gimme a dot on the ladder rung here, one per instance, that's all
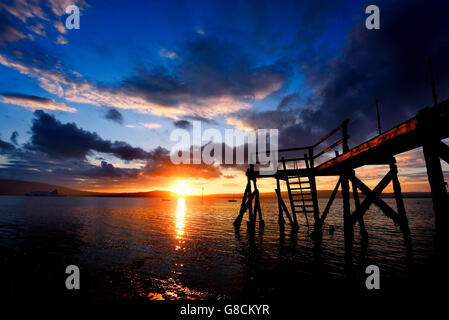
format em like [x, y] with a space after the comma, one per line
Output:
[299, 188]
[302, 194]
[296, 200]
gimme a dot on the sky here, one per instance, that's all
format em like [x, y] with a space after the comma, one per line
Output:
[93, 108]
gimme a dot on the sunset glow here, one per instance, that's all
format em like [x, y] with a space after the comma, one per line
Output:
[182, 189]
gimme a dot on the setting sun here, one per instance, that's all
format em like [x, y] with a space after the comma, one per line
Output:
[182, 189]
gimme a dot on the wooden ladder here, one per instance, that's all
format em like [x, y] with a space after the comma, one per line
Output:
[300, 194]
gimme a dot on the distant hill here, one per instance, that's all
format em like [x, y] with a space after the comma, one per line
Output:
[10, 187]
[19, 188]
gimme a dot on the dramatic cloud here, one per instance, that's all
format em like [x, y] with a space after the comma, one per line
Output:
[182, 124]
[68, 141]
[213, 78]
[104, 170]
[59, 152]
[389, 64]
[114, 115]
[34, 102]
[6, 147]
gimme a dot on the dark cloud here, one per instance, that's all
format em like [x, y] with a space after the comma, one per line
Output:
[210, 68]
[56, 153]
[14, 137]
[105, 170]
[26, 97]
[182, 124]
[288, 101]
[389, 64]
[114, 115]
[6, 147]
[9, 32]
[34, 102]
[202, 119]
[68, 141]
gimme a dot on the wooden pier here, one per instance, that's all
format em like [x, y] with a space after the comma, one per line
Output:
[426, 130]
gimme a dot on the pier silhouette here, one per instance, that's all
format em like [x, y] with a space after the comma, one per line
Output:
[426, 130]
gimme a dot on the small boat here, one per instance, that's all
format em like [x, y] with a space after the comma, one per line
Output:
[232, 200]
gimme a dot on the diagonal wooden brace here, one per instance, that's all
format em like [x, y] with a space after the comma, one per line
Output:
[372, 196]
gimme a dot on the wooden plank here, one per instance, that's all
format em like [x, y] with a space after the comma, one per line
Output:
[329, 203]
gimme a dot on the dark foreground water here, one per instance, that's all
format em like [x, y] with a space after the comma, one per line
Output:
[142, 249]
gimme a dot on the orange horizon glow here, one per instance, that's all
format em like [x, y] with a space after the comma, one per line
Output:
[234, 181]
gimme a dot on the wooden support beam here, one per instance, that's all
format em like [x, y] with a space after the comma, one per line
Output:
[344, 181]
[250, 202]
[243, 207]
[310, 165]
[348, 225]
[329, 203]
[292, 205]
[435, 176]
[444, 151]
[403, 222]
[258, 209]
[284, 208]
[355, 195]
[372, 196]
[281, 219]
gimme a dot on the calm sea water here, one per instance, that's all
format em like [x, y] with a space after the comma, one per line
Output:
[188, 249]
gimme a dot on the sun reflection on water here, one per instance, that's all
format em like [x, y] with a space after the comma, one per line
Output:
[180, 224]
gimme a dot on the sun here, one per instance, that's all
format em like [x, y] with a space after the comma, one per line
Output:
[182, 189]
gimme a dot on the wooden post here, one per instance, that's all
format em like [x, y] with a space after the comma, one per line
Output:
[348, 227]
[403, 222]
[243, 207]
[295, 224]
[437, 186]
[257, 207]
[312, 181]
[431, 149]
[329, 203]
[355, 195]
[250, 198]
[344, 178]
[281, 219]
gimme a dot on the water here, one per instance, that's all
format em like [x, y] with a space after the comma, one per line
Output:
[140, 248]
